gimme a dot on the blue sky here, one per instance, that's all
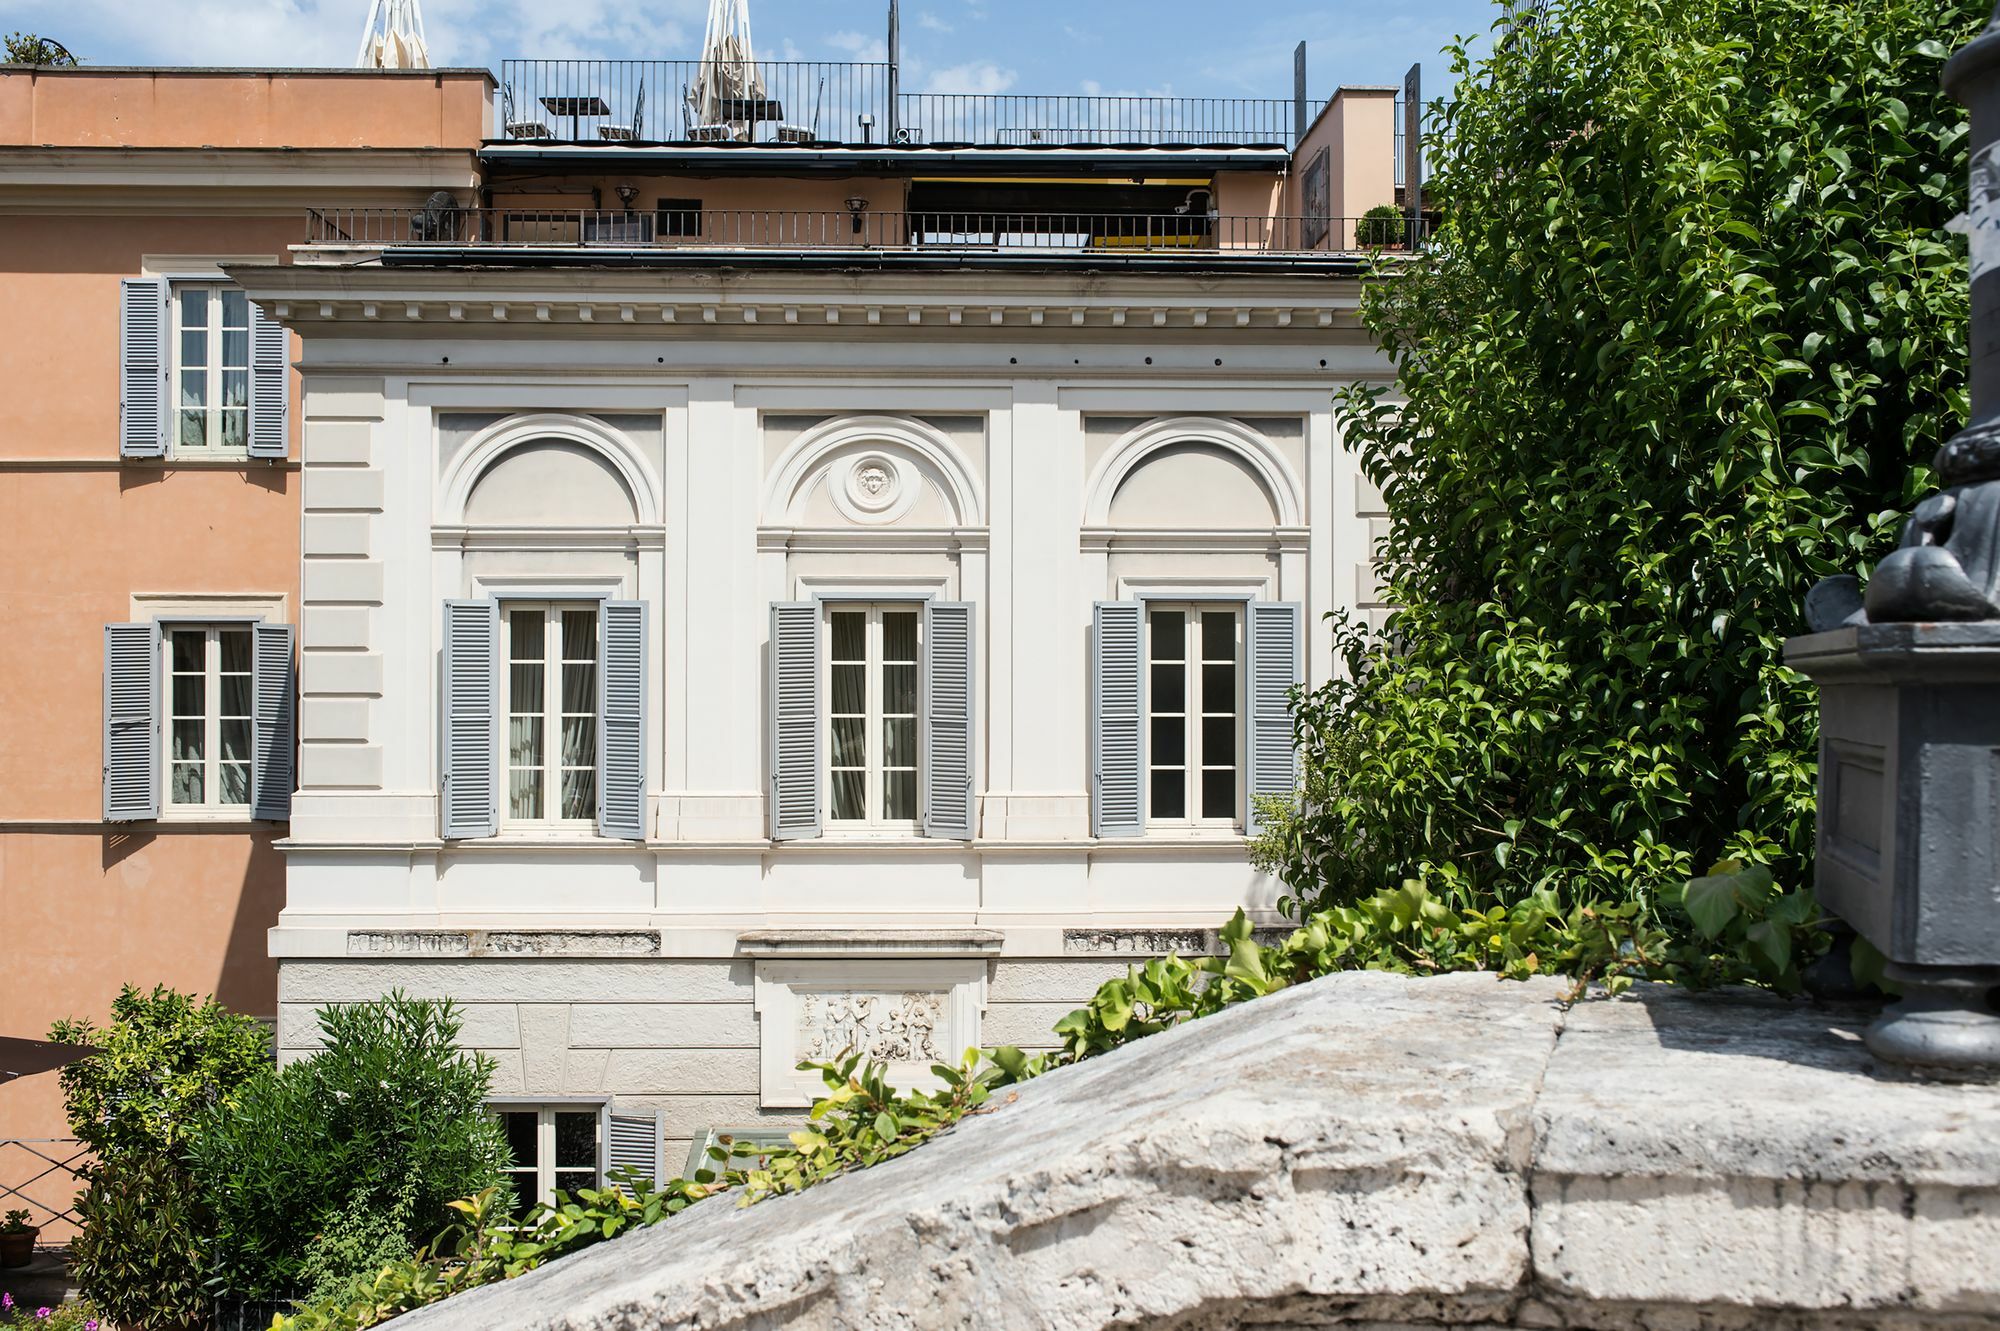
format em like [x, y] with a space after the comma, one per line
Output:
[1182, 47]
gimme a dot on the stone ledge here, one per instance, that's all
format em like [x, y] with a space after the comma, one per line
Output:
[1371, 1149]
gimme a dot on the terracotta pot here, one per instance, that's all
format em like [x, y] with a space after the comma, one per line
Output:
[17, 1246]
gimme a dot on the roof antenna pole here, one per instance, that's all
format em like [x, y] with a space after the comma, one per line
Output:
[895, 69]
[1299, 95]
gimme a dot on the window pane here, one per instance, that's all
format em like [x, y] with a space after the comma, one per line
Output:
[899, 741]
[1218, 636]
[235, 651]
[523, 1181]
[524, 635]
[576, 1140]
[572, 1181]
[236, 740]
[194, 388]
[190, 691]
[235, 695]
[235, 308]
[579, 687]
[899, 689]
[1169, 794]
[1169, 688]
[1218, 793]
[850, 689]
[579, 635]
[194, 306]
[524, 741]
[519, 1125]
[235, 427]
[1169, 635]
[193, 429]
[187, 783]
[847, 794]
[187, 649]
[850, 747]
[1218, 688]
[194, 352]
[236, 388]
[1169, 746]
[899, 635]
[579, 741]
[1218, 740]
[579, 793]
[187, 739]
[524, 688]
[524, 793]
[850, 635]
[236, 349]
[233, 780]
[899, 795]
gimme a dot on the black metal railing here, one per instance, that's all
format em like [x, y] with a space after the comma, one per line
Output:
[810, 101]
[669, 227]
[45, 1170]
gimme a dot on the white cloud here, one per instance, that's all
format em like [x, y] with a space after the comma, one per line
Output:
[932, 23]
[978, 76]
[860, 45]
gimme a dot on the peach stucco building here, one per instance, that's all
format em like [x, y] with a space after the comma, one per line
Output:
[157, 487]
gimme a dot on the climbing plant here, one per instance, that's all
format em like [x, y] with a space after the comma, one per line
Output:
[1690, 331]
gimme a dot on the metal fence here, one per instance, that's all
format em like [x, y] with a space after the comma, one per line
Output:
[810, 101]
[669, 227]
[48, 1180]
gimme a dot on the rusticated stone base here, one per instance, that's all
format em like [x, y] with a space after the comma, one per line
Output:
[1374, 1151]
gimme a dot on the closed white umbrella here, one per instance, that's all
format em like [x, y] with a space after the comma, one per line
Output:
[394, 37]
[728, 76]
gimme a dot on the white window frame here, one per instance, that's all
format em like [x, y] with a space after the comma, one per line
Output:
[872, 820]
[212, 409]
[1193, 759]
[545, 1110]
[551, 713]
[209, 808]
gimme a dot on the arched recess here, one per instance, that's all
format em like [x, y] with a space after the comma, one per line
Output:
[1266, 463]
[880, 460]
[490, 446]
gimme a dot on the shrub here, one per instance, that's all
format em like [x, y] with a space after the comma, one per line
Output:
[331, 1166]
[1382, 225]
[167, 1059]
[1691, 330]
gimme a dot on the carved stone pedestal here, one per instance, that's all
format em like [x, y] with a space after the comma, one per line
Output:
[1909, 825]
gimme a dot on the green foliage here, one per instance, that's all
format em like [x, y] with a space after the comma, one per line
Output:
[16, 1222]
[861, 1121]
[167, 1060]
[325, 1169]
[26, 48]
[1691, 329]
[1380, 226]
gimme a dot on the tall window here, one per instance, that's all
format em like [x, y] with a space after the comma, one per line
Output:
[872, 710]
[551, 713]
[208, 711]
[211, 368]
[1194, 702]
[553, 1146]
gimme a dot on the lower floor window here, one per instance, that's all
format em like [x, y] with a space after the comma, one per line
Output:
[553, 1148]
[208, 711]
[1193, 705]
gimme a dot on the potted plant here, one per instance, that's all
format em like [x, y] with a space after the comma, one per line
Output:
[17, 1239]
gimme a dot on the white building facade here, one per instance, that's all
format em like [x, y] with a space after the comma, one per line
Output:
[709, 667]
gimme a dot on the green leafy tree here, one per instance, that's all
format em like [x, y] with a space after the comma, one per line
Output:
[165, 1060]
[1690, 332]
[334, 1165]
[26, 48]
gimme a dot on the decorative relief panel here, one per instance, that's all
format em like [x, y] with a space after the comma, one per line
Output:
[908, 1014]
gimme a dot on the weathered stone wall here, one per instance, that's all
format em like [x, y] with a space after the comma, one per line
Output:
[1372, 1150]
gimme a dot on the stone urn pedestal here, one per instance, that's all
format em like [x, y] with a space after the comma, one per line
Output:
[1909, 825]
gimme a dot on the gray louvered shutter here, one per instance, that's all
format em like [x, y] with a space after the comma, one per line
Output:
[621, 722]
[795, 719]
[131, 722]
[948, 738]
[274, 689]
[1274, 638]
[1117, 740]
[471, 686]
[270, 385]
[636, 1142]
[142, 368]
